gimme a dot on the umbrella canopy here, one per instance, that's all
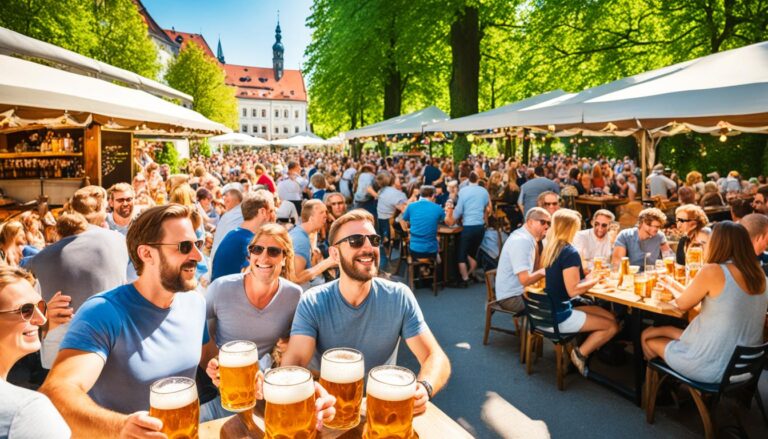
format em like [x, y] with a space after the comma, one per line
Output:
[32, 93]
[238, 139]
[404, 124]
[301, 140]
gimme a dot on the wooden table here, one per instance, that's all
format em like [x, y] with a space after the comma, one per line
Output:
[446, 234]
[600, 201]
[432, 424]
[718, 213]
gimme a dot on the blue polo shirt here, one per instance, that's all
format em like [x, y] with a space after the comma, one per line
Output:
[424, 216]
[232, 254]
[473, 200]
[301, 245]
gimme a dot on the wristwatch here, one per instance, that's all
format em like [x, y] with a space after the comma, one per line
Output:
[427, 387]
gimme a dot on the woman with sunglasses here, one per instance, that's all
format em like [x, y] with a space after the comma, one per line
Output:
[23, 413]
[692, 222]
[257, 305]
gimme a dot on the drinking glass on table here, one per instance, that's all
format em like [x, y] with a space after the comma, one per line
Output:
[174, 401]
[640, 282]
[238, 365]
[389, 411]
[289, 393]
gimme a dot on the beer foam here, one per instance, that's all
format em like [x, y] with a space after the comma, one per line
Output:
[238, 354]
[288, 385]
[344, 367]
[174, 395]
[391, 385]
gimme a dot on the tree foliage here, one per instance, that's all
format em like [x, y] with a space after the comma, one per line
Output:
[169, 156]
[194, 73]
[112, 31]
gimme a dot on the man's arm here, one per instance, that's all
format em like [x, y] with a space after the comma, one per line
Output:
[527, 278]
[304, 274]
[435, 366]
[299, 352]
[73, 374]
[618, 253]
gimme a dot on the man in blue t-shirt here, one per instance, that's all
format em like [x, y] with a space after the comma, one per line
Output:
[365, 313]
[422, 218]
[122, 340]
[473, 206]
[644, 239]
[232, 254]
[313, 216]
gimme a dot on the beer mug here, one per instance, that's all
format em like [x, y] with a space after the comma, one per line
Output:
[640, 282]
[341, 373]
[680, 273]
[238, 365]
[289, 393]
[174, 401]
[597, 264]
[669, 263]
[389, 410]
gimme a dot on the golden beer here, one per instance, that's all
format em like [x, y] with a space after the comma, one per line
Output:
[341, 374]
[238, 365]
[624, 268]
[680, 273]
[597, 264]
[641, 282]
[669, 264]
[390, 403]
[290, 410]
[650, 284]
[174, 401]
[694, 255]
[693, 270]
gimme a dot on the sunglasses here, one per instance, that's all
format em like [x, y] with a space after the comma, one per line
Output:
[602, 225]
[683, 220]
[555, 203]
[338, 203]
[123, 200]
[184, 247]
[272, 252]
[28, 310]
[357, 240]
[545, 222]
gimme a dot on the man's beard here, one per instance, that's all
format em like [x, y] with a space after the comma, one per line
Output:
[360, 275]
[124, 212]
[171, 279]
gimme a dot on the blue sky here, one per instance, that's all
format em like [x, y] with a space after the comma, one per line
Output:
[246, 27]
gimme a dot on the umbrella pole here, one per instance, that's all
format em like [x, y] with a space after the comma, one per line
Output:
[643, 160]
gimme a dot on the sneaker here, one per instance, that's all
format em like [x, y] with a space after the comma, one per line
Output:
[463, 283]
[579, 361]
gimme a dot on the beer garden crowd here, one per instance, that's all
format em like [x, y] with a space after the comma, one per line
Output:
[291, 251]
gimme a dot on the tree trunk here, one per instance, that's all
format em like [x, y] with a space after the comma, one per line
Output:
[508, 147]
[526, 146]
[393, 93]
[465, 66]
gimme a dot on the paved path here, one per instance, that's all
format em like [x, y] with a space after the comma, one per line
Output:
[483, 374]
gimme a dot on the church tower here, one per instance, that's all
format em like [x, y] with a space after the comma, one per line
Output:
[220, 53]
[277, 53]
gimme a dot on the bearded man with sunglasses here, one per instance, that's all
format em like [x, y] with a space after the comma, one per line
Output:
[595, 242]
[363, 312]
[122, 340]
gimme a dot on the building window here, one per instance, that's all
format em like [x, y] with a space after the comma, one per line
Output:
[297, 114]
[285, 114]
[296, 130]
[263, 129]
[285, 130]
[263, 113]
[277, 130]
[245, 112]
[253, 112]
[277, 113]
[255, 129]
[244, 129]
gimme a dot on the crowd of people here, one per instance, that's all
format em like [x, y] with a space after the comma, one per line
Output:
[289, 250]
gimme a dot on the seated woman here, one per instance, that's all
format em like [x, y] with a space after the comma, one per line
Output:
[692, 222]
[565, 280]
[731, 288]
[257, 305]
[23, 413]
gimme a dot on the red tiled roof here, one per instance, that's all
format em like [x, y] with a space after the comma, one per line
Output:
[187, 37]
[259, 83]
[152, 27]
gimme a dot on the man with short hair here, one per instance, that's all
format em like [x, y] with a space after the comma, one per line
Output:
[760, 200]
[659, 184]
[757, 226]
[313, 216]
[474, 203]
[531, 189]
[80, 265]
[232, 217]
[548, 200]
[336, 205]
[391, 202]
[124, 339]
[120, 198]
[644, 239]
[291, 187]
[520, 259]
[364, 312]
[595, 242]
[739, 209]
[422, 218]
[257, 209]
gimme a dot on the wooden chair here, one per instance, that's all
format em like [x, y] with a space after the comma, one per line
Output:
[403, 239]
[542, 323]
[492, 306]
[414, 267]
[743, 372]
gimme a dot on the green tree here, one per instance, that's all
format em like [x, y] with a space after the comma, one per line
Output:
[111, 31]
[168, 156]
[194, 73]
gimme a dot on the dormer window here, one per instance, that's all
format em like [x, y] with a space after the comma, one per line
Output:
[179, 39]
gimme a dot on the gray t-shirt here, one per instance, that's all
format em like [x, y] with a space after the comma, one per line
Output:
[636, 249]
[374, 327]
[123, 230]
[364, 181]
[389, 197]
[25, 414]
[530, 191]
[237, 319]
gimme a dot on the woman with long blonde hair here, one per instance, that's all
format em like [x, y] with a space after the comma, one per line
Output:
[731, 288]
[256, 305]
[12, 241]
[565, 280]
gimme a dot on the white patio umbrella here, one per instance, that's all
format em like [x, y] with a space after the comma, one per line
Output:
[301, 140]
[237, 139]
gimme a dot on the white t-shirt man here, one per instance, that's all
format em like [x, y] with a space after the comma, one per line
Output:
[590, 246]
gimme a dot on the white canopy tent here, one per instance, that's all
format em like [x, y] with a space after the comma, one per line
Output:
[237, 139]
[404, 124]
[301, 140]
[34, 94]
